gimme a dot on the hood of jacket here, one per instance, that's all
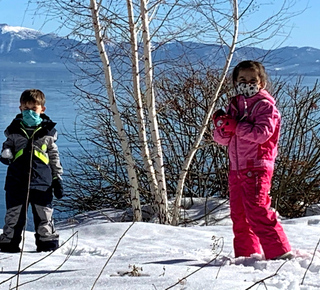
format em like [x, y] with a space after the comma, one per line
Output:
[47, 124]
[242, 106]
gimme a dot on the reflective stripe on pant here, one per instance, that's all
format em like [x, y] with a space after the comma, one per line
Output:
[16, 216]
[254, 224]
[43, 223]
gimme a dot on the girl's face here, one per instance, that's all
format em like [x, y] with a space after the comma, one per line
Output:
[249, 76]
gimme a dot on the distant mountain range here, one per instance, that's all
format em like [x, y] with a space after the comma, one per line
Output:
[28, 46]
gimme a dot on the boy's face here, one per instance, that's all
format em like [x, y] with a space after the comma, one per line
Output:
[32, 106]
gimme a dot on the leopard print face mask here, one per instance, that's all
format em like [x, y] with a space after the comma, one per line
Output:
[248, 90]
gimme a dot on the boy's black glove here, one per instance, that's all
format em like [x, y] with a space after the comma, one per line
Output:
[57, 186]
[5, 161]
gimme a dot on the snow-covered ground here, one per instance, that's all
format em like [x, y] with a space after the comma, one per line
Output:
[99, 254]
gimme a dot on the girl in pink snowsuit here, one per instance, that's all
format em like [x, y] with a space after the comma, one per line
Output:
[250, 129]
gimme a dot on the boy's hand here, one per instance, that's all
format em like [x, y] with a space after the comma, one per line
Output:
[6, 156]
[6, 153]
[57, 186]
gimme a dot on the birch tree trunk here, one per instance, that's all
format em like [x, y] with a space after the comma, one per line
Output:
[192, 152]
[137, 95]
[135, 199]
[161, 196]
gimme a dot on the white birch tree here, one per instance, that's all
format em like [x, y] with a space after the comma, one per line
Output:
[155, 170]
[161, 194]
[151, 172]
[135, 198]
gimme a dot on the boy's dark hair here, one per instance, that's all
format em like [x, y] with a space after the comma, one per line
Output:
[33, 96]
[253, 65]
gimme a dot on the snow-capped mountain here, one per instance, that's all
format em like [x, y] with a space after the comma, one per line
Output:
[21, 32]
[282, 61]
[24, 45]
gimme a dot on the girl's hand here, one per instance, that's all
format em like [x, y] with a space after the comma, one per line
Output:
[218, 118]
[229, 125]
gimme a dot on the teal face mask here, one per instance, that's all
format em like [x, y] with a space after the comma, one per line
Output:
[31, 118]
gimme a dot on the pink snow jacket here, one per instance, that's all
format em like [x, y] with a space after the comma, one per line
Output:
[255, 141]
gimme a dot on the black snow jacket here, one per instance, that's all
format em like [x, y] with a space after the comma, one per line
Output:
[37, 150]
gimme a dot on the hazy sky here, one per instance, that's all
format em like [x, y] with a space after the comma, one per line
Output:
[305, 27]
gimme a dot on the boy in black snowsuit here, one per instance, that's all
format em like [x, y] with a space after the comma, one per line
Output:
[34, 170]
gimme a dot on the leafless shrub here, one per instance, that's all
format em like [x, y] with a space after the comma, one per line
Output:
[296, 182]
[184, 99]
[97, 179]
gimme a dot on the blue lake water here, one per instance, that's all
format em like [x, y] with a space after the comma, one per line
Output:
[56, 83]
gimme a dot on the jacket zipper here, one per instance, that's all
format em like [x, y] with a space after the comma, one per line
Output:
[34, 132]
[20, 152]
[257, 183]
[237, 161]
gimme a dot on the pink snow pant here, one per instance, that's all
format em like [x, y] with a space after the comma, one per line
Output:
[254, 224]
